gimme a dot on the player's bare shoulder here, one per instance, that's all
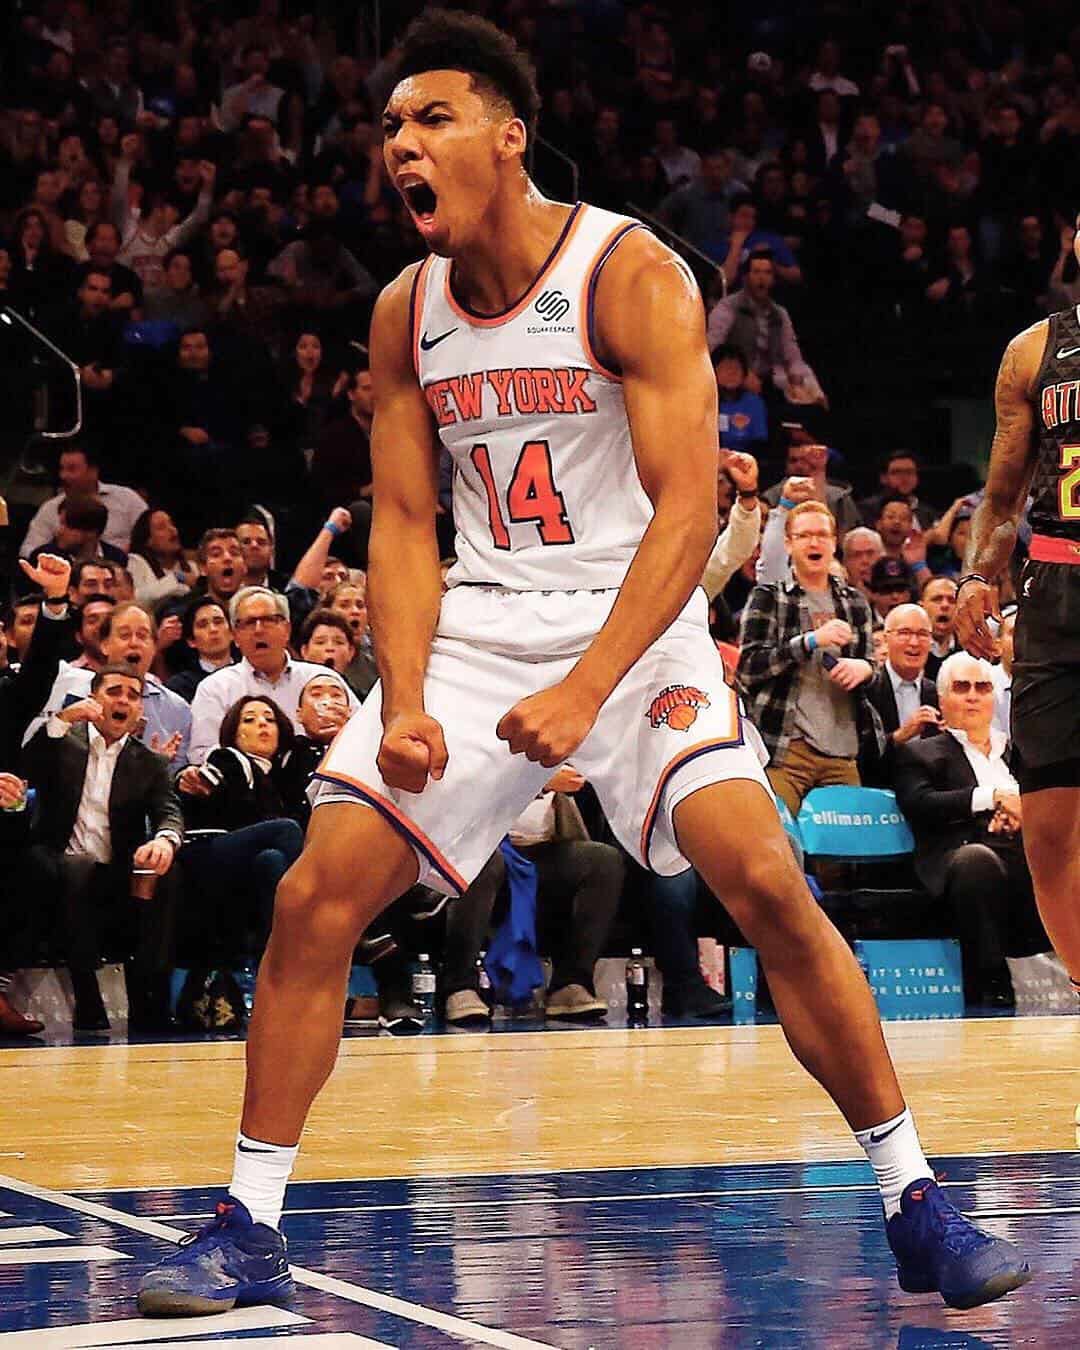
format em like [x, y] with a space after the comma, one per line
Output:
[646, 293]
[1022, 361]
[391, 329]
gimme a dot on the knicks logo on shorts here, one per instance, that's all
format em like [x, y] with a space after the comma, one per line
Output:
[677, 707]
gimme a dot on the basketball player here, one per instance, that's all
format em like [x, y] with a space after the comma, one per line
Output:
[559, 354]
[1036, 450]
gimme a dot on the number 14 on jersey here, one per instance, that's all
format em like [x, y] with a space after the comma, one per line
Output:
[531, 498]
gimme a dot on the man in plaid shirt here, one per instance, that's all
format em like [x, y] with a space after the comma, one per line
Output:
[799, 688]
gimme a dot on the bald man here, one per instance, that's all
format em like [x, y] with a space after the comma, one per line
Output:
[904, 699]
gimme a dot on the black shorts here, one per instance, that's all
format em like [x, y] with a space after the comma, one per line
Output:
[1046, 677]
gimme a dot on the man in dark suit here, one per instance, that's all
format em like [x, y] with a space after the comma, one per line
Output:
[964, 808]
[98, 787]
[905, 700]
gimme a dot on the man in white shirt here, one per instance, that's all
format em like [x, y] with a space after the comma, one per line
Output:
[98, 788]
[80, 476]
[128, 637]
[963, 803]
[260, 620]
[1003, 673]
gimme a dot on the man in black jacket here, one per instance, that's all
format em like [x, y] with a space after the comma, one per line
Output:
[964, 807]
[905, 700]
[98, 786]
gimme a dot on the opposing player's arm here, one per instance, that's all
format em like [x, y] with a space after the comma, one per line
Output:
[404, 582]
[651, 326]
[1012, 463]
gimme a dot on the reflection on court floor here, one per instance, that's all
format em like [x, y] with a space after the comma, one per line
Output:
[639, 1258]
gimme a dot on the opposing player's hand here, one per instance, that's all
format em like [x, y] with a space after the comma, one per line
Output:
[413, 749]
[549, 726]
[976, 604]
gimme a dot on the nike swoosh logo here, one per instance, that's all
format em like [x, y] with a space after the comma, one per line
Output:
[879, 1138]
[427, 343]
[245, 1149]
[1062, 354]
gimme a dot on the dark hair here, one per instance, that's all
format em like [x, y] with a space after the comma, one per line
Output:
[324, 618]
[96, 599]
[442, 39]
[92, 457]
[894, 455]
[254, 517]
[230, 723]
[90, 270]
[100, 676]
[122, 607]
[760, 255]
[140, 539]
[101, 225]
[889, 498]
[727, 351]
[81, 566]
[187, 619]
[85, 513]
[179, 253]
[209, 537]
[741, 199]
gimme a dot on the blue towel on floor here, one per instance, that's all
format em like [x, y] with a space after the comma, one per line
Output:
[512, 962]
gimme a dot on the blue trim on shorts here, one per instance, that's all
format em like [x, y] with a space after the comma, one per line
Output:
[399, 825]
[673, 769]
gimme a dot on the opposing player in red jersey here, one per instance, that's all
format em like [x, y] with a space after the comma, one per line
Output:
[1036, 453]
[559, 355]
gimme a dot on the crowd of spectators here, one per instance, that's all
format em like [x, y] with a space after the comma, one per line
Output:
[193, 206]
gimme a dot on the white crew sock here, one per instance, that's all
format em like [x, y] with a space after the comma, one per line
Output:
[261, 1172]
[896, 1156]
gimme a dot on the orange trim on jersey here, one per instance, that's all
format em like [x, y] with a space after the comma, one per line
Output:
[416, 309]
[585, 304]
[496, 320]
[398, 820]
[683, 757]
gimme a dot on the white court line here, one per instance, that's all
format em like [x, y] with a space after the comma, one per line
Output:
[34, 1233]
[354, 1293]
[39, 1256]
[129, 1330]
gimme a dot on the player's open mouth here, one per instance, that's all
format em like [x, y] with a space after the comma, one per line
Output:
[421, 200]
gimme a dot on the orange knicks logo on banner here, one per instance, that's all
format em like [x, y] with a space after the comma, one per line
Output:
[677, 707]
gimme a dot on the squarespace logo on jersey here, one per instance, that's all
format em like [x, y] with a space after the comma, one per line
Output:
[551, 306]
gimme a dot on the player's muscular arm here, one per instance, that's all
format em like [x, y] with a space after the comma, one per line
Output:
[404, 581]
[1012, 462]
[651, 326]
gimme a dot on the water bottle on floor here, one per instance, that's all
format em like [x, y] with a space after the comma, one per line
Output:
[637, 989]
[423, 986]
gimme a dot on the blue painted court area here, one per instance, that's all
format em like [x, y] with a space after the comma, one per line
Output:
[641, 1259]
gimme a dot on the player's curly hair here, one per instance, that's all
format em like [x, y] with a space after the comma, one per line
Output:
[443, 39]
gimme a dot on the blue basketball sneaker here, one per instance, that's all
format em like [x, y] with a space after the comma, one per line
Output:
[938, 1250]
[232, 1260]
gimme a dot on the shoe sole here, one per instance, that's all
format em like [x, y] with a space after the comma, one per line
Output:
[172, 1303]
[995, 1287]
[583, 1014]
[470, 1020]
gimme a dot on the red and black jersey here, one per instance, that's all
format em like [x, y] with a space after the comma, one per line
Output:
[1055, 487]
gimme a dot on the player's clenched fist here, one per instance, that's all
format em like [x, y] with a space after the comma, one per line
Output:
[412, 750]
[549, 726]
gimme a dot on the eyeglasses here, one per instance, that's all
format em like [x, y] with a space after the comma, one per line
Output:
[813, 534]
[964, 686]
[911, 634]
[256, 619]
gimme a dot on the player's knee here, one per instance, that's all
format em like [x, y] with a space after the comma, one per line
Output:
[768, 897]
[312, 916]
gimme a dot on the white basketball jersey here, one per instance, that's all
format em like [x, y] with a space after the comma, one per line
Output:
[546, 491]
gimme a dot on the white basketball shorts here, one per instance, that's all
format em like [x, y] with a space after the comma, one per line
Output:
[672, 725]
